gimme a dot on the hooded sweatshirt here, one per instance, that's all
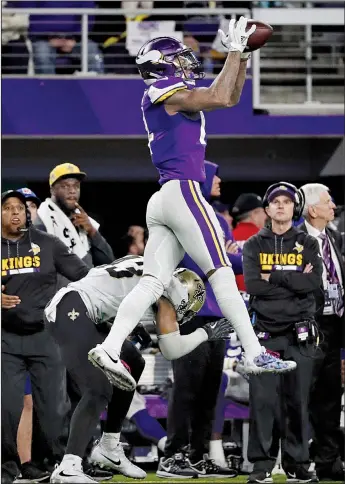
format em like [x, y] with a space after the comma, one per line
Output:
[55, 25]
[29, 269]
[211, 308]
[288, 296]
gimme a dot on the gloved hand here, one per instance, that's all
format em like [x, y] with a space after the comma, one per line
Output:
[237, 37]
[217, 330]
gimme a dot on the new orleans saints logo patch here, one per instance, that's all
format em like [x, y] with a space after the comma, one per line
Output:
[73, 315]
[182, 307]
[199, 294]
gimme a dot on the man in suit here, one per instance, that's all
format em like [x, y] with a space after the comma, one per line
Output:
[325, 401]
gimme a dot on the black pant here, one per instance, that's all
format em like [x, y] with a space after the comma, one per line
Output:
[282, 399]
[325, 398]
[76, 337]
[197, 377]
[38, 355]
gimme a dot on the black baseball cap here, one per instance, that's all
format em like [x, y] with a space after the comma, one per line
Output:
[12, 193]
[246, 202]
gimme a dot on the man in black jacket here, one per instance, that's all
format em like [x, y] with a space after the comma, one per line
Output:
[282, 269]
[325, 398]
[30, 262]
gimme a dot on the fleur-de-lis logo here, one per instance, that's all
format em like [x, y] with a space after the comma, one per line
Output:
[199, 294]
[73, 315]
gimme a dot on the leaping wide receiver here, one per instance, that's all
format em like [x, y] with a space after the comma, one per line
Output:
[179, 219]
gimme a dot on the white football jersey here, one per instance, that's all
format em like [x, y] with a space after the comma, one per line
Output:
[103, 289]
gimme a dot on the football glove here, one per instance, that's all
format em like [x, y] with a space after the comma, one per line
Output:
[217, 330]
[237, 37]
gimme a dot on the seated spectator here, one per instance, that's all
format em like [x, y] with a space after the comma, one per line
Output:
[15, 55]
[53, 35]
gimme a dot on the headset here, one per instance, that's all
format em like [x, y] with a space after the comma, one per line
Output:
[298, 202]
[21, 197]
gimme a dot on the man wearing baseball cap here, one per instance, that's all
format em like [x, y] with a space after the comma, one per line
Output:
[62, 216]
[282, 270]
[30, 263]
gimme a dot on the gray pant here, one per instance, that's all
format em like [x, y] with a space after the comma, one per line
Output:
[282, 399]
[38, 355]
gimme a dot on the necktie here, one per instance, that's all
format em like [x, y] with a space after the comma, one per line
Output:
[332, 276]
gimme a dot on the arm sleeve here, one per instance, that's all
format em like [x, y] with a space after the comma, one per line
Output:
[174, 345]
[101, 251]
[252, 275]
[298, 282]
[162, 90]
[67, 264]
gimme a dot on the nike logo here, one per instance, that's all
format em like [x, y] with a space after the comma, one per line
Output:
[200, 472]
[114, 361]
[292, 475]
[213, 325]
[63, 474]
[115, 462]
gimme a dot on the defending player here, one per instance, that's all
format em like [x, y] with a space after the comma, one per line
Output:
[78, 314]
[179, 219]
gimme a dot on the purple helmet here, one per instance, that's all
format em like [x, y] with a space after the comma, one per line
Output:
[167, 57]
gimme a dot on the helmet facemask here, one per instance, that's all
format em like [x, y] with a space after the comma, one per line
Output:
[187, 64]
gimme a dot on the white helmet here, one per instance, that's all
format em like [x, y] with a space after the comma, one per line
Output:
[187, 293]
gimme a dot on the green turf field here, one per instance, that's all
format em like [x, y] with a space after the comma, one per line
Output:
[151, 478]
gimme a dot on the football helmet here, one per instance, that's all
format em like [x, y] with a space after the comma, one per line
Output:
[187, 293]
[168, 57]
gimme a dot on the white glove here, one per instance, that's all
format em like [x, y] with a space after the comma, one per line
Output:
[237, 38]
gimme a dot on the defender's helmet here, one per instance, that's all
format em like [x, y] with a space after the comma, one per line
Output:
[187, 294]
[167, 57]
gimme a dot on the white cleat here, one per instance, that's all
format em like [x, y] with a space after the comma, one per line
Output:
[113, 457]
[71, 472]
[266, 362]
[113, 369]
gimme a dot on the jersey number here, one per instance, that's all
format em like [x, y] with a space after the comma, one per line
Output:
[128, 266]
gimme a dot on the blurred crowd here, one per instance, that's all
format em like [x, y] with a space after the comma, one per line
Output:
[52, 43]
[62, 215]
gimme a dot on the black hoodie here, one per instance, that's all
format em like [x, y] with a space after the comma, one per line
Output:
[29, 269]
[288, 295]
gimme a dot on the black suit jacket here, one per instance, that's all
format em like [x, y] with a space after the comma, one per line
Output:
[335, 239]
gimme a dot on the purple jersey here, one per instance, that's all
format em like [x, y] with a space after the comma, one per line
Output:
[177, 143]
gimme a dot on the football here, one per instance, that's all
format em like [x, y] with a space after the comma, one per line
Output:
[261, 35]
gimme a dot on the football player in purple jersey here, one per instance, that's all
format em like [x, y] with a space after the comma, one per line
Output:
[179, 218]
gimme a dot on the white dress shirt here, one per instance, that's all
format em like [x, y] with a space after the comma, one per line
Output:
[315, 233]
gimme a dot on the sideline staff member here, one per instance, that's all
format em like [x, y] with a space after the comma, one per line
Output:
[282, 269]
[30, 262]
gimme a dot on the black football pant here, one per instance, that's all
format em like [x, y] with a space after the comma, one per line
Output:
[38, 355]
[325, 398]
[76, 337]
[283, 399]
[197, 378]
